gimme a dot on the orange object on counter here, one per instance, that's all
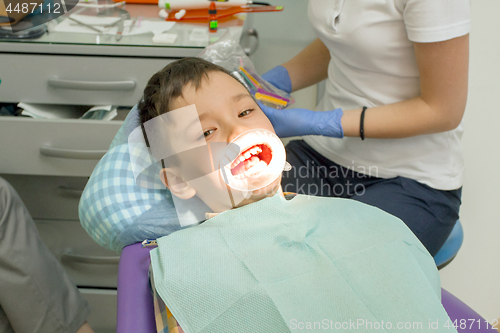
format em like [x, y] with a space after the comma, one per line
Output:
[142, 2]
[203, 15]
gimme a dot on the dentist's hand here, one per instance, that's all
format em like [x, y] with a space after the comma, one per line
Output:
[298, 122]
[278, 77]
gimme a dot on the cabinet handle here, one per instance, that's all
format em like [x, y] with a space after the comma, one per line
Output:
[67, 256]
[46, 150]
[70, 192]
[91, 85]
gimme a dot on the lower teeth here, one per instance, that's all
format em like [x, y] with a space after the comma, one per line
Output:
[253, 170]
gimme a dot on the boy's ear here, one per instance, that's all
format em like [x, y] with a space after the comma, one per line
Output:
[176, 184]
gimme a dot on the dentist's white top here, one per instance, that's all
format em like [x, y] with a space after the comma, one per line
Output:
[373, 63]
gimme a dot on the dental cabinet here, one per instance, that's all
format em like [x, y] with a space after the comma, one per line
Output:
[48, 161]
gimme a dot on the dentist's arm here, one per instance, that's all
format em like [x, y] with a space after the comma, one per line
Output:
[308, 67]
[443, 68]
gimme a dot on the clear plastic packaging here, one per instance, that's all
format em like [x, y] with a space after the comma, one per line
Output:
[227, 52]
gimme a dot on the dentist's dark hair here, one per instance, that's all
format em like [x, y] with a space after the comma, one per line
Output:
[168, 84]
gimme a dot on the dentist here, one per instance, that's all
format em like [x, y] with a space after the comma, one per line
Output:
[391, 123]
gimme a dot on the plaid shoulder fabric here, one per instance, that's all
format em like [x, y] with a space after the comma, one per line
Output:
[112, 200]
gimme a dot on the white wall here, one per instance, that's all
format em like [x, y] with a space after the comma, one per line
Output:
[474, 274]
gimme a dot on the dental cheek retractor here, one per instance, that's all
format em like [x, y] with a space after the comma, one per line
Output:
[253, 160]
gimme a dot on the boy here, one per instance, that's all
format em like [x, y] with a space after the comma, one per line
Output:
[224, 109]
[264, 263]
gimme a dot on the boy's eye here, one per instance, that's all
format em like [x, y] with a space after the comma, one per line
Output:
[207, 133]
[245, 113]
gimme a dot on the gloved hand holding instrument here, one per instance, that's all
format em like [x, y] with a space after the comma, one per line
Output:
[298, 122]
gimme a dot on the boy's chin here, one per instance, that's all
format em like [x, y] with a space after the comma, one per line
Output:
[236, 198]
[263, 193]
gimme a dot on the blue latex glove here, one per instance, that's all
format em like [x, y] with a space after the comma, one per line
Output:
[298, 122]
[278, 77]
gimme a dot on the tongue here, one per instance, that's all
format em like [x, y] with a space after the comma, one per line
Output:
[245, 165]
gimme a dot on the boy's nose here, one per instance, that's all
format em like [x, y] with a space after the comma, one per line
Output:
[237, 130]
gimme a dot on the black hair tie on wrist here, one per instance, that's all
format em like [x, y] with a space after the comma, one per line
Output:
[362, 123]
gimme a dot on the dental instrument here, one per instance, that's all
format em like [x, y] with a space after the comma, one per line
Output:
[132, 25]
[266, 92]
[254, 81]
[248, 81]
[99, 6]
[85, 24]
[241, 78]
[119, 33]
[265, 98]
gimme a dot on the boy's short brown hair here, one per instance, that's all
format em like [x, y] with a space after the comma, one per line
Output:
[168, 84]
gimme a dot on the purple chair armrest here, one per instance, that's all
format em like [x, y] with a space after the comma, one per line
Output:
[457, 310]
[135, 302]
[135, 312]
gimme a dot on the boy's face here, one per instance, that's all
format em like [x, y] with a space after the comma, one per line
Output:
[225, 110]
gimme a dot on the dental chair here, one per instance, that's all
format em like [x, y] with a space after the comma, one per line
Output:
[132, 214]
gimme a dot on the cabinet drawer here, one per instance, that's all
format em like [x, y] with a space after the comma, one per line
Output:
[102, 319]
[87, 263]
[49, 197]
[75, 79]
[53, 147]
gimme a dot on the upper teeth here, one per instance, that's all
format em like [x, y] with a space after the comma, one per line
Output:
[254, 151]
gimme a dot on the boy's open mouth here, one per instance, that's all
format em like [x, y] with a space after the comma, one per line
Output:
[251, 161]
